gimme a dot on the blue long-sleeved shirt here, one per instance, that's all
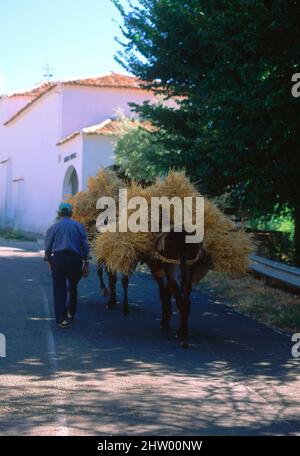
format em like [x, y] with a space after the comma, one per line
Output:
[66, 234]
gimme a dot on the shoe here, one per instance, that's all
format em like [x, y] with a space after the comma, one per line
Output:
[70, 316]
[64, 324]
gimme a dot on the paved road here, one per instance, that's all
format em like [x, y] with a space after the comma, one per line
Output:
[115, 375]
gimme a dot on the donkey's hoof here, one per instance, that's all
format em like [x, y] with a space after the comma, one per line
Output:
[105, 292]
[164, 324]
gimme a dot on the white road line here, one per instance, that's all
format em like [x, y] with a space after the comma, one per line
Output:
[60, 417]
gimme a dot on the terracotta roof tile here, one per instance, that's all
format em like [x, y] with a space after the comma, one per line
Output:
[33, 100]
[113, 80]
[34, 92]
[68, 138]
[109, 127]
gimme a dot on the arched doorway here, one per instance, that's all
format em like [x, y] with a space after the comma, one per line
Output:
[70, 184]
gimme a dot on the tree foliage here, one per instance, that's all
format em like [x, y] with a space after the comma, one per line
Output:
[231, 64]
[139, 157]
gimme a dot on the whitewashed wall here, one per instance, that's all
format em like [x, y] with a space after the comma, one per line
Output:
[8, 107]
[65, 160]
[32, 167]
[85, 106]
[34, 181]
[98, 152]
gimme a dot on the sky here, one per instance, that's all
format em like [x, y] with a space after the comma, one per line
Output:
[75, 37]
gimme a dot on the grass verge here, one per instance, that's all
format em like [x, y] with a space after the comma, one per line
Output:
[15, 234]
[251, 296]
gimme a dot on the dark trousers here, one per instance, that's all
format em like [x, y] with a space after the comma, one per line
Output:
[66, 273]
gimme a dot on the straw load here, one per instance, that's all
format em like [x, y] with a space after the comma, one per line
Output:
[227, 247]
[174, 184]
[83, 209]
[105, 183]
[121, 251]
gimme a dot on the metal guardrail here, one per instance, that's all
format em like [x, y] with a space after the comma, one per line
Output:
[287, 275]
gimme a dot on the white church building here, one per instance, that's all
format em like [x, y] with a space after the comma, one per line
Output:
[52, 138]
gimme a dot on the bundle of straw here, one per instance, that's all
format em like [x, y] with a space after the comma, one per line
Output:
[228, 248]
[122, 251]
[83, 207]
[105, 183]
[176, 183]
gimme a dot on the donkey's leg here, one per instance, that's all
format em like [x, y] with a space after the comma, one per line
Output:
[168, 302]
[100, 268]
[176, 292]
[112, 279]
[164, 294]
[125, 291]
[186, 307]
[182, 307]
[183, 328]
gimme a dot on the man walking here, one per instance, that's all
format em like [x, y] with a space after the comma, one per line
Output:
[67, 253]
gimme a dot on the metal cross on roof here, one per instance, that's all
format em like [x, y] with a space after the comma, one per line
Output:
[48, 72]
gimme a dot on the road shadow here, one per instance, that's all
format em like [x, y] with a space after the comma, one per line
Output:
[124, 375]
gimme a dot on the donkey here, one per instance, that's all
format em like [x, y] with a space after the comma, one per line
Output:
[174, 257]
[175, 266]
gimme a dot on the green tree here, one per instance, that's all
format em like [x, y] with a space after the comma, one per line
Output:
[231, 64]
[140, 157]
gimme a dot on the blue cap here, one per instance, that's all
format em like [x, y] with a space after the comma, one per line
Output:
[65, 207]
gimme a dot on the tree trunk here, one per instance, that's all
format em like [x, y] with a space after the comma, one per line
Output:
[297, 233]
